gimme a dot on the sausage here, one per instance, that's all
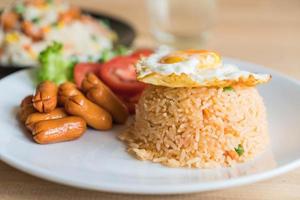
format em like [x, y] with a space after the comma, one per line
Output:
[26, 101]
[26, 108]
[106, 99]
[101, 95]
[37, 117]
[94, 115]
[90, 80]
[9, 20]
[65, 91]
[35, 33]
[58, 130]
[45, 98]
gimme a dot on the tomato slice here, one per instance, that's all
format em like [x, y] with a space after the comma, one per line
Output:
[81, 69]
[130, 102]
[119, 74]
[130, 106]
[142, 52]
[135, 98]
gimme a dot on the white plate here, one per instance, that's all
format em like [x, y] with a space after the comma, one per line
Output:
[98, 160]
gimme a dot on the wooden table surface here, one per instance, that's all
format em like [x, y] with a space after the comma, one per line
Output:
[262, 31]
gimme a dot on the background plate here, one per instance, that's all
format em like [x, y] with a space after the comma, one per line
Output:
[99, 161]
[125, 32]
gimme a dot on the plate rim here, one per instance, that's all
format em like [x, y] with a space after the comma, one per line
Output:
[162, 189]
[143, 190]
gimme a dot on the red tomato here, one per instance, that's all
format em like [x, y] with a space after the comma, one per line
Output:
[130, 102]
[81, 69]
[142, 52]
[134, 99]
[130, 106]
[119, 74]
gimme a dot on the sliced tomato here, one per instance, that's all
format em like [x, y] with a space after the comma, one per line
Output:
[135, 98]
[119, 74]
[81, 69]
[130, 106]
[130, 102]
[142, 52]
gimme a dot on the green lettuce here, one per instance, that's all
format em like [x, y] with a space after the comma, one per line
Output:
[53, 66]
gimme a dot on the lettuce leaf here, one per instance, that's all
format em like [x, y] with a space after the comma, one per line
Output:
[53, 66]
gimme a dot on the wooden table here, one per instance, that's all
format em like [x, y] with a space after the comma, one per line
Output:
[261, 31]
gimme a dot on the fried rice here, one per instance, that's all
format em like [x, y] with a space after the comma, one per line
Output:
[198, 127]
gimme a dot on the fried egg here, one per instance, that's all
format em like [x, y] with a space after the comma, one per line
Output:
[193, 68]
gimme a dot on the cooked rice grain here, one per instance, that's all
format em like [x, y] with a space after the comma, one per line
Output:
[198, 127]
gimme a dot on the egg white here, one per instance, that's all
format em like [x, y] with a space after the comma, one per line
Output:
[189, 73]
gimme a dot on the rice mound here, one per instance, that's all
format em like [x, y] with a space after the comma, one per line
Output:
[198, 127]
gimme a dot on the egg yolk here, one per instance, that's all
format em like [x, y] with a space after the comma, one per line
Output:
[170, 59]
[208, 59]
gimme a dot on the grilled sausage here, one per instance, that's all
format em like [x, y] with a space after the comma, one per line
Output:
[101, 95]
[58, 130]
[65, 91]
[94, 115]
[90, 80]
[45, 98]
[37, 117]
[26, 108]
